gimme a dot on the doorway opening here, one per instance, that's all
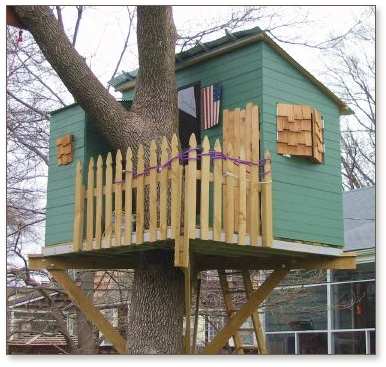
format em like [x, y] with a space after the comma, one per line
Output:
[189, 114]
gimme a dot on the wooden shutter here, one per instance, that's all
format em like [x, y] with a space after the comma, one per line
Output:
[297, 132]
[64, 149]
[317, 137]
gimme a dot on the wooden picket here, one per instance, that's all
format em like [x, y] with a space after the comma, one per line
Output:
[191, 187]
[140, 202]
[229, 202]
[90, 205]
[109, 200]
[118, 198]
[78, 215]
[153, 193]
[128, 195]
[237, 214]
[176, 175]
[163, 214]
[266, 207]
[205, 166]
[217, 193]
[254, 203]
[99, 203]
[242, 202]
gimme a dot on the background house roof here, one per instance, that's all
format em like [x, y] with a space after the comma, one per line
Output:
[359, 218]
[126, 80]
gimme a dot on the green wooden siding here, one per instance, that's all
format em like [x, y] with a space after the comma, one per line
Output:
[239, 73]
[60, 186]
[307, 197]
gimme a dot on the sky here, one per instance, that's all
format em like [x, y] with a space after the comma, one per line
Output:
[103, 30]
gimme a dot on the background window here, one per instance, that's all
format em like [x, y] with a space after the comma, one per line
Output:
[354, 305]
[350, 342]
[303, 308]
[281, 343]
[372, 342]
[313, 343]
[362, 272]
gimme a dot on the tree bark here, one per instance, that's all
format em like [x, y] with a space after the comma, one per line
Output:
[156, 311]
[157, 307]
[85, 330]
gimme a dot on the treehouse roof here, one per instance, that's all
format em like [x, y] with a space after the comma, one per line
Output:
[228, 43]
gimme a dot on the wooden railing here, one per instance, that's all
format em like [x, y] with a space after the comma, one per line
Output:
[121, 205]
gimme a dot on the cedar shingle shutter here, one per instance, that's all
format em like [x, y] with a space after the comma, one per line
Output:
[64, 149]
[299, 131]
[317, 136]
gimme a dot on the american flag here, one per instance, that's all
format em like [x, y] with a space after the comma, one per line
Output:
[210, 105]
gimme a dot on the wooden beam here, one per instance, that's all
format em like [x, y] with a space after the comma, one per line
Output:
[90, 311]
[256, 298]
[104, 260]
[188, 297]
[230, 309]
[346, 261]
[274, 261]
[197, 308]
[260, 337]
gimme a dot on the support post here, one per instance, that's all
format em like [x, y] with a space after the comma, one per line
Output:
[188, 297]
[266, 205]
[196, 311]
[256, 298]
[90, 311]
[78, 215]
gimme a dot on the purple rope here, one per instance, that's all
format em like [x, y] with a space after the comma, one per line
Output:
[184, 157]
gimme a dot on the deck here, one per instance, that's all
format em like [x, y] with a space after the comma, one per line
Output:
[198, 203]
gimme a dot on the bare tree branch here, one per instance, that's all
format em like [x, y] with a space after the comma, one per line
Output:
[79, 9]
[131, 18]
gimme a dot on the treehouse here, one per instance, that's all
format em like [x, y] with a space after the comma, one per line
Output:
[251, 181]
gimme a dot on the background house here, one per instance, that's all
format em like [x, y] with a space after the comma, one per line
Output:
[336, 312]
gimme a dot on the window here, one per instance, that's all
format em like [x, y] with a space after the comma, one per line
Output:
[300, 132]
[214, 325]
[372, 342]
[350, 342]
[313, 343]
[362, 272]
[247, 333]
[354, 305]
[297, 309]
[281, 343]
[189, 114]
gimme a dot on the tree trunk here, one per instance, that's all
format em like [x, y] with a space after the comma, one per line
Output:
[157, 307]
[85, 330]
[156, 311]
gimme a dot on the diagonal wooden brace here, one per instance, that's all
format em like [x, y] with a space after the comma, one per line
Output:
[188, 298]
[260, 337]
[89, 310]
[255, 298]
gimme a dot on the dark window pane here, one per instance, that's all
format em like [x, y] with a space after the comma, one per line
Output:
[372, 342]
[313, 343]
[350, 342]
[354, 305]
[297, 309]
[362, 272]
[281, 343]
